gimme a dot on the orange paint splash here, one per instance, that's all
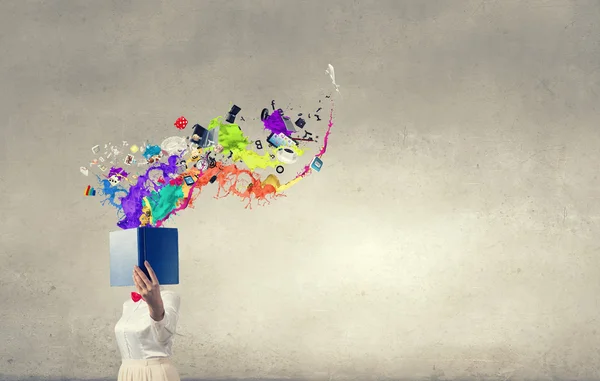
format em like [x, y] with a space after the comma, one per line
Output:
[230, 179]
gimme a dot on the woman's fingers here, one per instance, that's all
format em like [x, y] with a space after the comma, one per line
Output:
[153, 277]
[138, 283]
[143, 277]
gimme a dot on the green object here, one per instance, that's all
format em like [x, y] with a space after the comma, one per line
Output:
[232, 138]
[164, 201]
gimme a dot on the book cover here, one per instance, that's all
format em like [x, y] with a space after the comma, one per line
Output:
[131, 247]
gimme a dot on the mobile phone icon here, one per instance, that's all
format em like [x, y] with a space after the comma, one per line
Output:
[189, 180]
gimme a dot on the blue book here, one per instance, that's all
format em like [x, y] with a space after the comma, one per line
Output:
[131, 247]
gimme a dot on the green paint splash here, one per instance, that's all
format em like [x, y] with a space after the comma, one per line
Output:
[232, 138]
[164, 201]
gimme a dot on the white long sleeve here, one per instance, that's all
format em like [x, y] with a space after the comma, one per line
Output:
[139, 336]
[164, 329]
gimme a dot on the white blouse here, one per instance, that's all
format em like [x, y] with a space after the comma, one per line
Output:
[139, 336]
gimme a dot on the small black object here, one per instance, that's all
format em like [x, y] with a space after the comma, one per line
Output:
[213, 179]
[189, 180]
[280, 111]
[264, 115]
[309, 116]
[300, 114]
[234, 110]
[230, 118]
[317, 116]
[319, 109]
[327, 96]
[279, 169]
[269, 139]
[212, 162]
[300, 123]
[242, 118]
[273, 104]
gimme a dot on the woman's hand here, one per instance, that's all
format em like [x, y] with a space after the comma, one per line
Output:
[150, 290]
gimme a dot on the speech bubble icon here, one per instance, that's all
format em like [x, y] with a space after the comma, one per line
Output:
[83, 170]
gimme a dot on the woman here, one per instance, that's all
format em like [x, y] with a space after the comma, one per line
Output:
[146, 329]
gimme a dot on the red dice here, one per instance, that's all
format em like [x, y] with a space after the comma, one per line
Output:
[181, 122]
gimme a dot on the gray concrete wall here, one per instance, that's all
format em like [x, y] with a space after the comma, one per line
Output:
[453, 232]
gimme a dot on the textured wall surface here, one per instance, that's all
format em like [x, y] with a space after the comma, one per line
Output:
[452, 233]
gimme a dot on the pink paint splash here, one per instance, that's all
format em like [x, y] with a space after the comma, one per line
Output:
[307, 168]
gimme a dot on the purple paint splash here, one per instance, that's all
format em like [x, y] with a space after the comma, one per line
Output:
[117, 171]
[276, 125]
[132, 203]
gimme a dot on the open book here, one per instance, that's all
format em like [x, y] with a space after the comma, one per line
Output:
[131, 247]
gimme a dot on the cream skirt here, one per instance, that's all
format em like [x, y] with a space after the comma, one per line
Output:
[158, 369]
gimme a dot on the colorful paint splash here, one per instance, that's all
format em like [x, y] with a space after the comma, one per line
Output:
[276, 125]
[307, 169]
[177, 172]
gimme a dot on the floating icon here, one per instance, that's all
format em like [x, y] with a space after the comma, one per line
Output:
[181, 123]
[95, 149]
[202, 164]
[280, 139]
[128, 159]
[174, 145]
[203, 137]
[232, 114]
[287, 156]
[182, 167]
[288, 124]
[316, 164]
[271, 180]
[264, 115]
[134, 148]
[83, 170]
[189, 180]
[89, 191]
